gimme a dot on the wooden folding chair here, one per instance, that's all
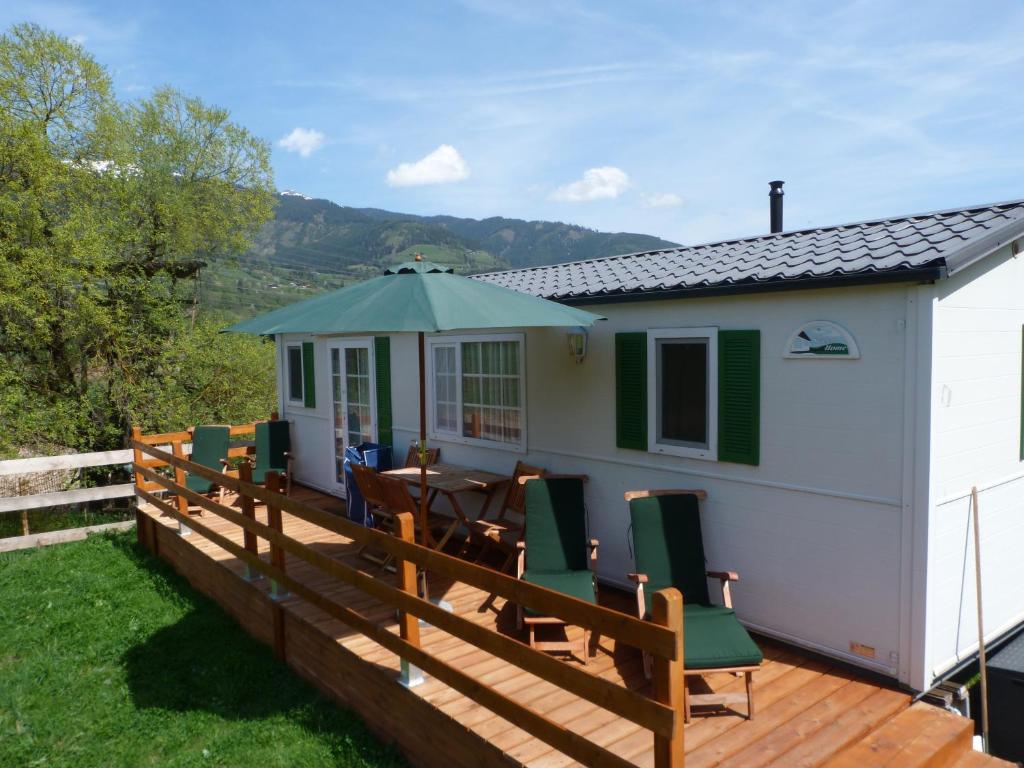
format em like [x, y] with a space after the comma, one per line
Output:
[372, 489]
[505, 529]
[210, 445]
[557, 553]
[669, 552]
[273, 453]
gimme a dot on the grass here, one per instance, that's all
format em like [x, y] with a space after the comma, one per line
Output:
[68, 516]
[108, 658]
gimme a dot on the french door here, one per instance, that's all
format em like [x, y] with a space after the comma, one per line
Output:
[353, 390]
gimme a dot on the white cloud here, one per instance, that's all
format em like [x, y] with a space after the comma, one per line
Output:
[442, 166]
[305, 141]
[661, 200]
[604, 183]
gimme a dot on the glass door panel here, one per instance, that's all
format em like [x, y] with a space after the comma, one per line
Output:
[352, 388]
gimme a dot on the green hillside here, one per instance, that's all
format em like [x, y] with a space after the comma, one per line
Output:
[316, 245]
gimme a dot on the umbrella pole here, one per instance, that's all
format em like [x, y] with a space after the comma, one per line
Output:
[424, 533]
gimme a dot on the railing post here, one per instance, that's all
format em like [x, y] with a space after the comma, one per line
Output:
[249, 510]
[409, 625]
[669, 685]
[179, 478]
[24, 513]
[273, 482]
[137, 455]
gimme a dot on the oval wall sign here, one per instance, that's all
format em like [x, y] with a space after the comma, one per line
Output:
[822, 338]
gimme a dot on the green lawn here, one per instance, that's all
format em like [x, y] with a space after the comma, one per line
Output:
[108, 658]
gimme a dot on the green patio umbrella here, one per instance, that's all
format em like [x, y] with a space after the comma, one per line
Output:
[416, 297]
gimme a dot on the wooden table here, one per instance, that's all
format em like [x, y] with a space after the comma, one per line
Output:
[449, 480]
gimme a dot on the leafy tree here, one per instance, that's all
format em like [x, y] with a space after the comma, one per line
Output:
[108, 213]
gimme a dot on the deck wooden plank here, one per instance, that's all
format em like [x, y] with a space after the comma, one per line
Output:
[851, 726]
[762, 751]
[770, 719]
[922, 736]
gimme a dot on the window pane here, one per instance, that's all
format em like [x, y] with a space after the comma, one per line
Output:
[510, 391]
[445, 404]
[471, 357]
[491, 391]
[683, 391]
[294, 373]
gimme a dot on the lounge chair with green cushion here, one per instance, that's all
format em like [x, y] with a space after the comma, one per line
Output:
[273, 452]
[669, 552]
[209, 448]
[555, 551]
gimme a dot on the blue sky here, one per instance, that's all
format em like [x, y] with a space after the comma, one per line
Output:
[660, 117]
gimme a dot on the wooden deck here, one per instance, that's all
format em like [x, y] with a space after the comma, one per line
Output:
[809, 712]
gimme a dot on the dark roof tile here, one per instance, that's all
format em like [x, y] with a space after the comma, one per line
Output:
[950, 239]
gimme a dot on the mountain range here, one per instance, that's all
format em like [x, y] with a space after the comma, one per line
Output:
[313, 245]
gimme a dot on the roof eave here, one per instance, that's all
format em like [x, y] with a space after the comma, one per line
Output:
[926, 274]
[961, 259]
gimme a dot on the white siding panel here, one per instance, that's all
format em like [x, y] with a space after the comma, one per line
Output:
[976, 390]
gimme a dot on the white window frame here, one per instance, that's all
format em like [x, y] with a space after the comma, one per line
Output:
[710, 335]
[433, 433]
[301, 400]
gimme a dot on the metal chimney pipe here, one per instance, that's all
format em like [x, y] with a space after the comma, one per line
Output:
[775, 198]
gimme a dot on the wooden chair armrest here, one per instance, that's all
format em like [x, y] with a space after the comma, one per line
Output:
[725, 577]
[522, 479]
[637, 578]
[700, 494]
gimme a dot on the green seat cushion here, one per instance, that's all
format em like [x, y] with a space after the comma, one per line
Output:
[713, 637]
[209, 446]
[273, 441]
[578, 584]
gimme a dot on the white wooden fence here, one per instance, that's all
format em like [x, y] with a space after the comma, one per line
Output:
[72, 496]
[68, 461]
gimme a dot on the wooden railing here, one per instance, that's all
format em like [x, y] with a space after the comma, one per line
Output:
[662, 637]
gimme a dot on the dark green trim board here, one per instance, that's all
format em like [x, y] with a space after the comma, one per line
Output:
[308, 375]
[739, 396]
[382, 365]
[631, 390]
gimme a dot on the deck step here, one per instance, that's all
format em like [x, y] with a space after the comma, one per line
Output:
[974, 759]
[922, 736]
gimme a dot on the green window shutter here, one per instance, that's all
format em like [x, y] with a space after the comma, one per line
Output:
[631, 390]
[308, 375]
[739, 396]
[382, 364]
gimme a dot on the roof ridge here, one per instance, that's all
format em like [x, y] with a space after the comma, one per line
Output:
[766, 236]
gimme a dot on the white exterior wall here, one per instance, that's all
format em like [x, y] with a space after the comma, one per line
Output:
[816, 531]
[311, 428]
[976, 413]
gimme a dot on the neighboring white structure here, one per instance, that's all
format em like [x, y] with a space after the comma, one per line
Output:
[838, 433]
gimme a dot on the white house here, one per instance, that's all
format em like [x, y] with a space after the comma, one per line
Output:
[837, 392]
